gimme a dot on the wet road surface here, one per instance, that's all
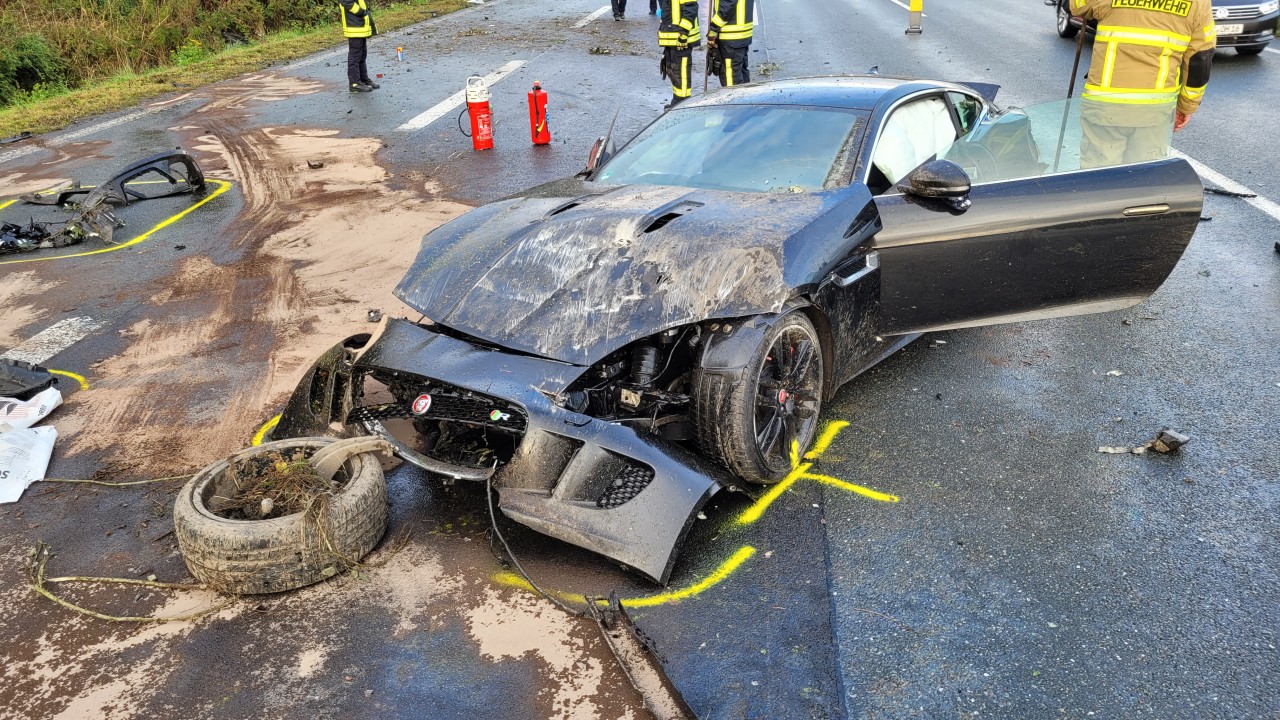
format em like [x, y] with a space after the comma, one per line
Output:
[1021, 574]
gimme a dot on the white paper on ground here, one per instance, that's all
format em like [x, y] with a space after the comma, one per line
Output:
[24, 456]
[19, 414]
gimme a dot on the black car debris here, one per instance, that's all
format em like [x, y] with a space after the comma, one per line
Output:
[612, 349]
[157, 176]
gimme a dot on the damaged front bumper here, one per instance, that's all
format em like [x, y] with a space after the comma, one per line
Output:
[616, 490]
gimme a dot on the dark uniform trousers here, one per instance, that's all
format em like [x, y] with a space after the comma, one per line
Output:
[677, 64]
[357, 53]
[619, 7]
[733, 63]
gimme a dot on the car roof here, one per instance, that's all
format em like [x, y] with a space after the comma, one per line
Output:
[854, 92]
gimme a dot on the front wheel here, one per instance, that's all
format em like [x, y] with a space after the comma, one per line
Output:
[1252, 49]
[1066, 28]
[753, 422]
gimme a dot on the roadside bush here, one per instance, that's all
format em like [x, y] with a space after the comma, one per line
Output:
[64, 43]
[30, 68]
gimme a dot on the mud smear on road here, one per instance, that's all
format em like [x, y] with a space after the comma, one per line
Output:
[15, 292]
[21, 183]
[232, 333]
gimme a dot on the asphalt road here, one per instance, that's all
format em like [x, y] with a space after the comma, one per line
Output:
[1022, 573]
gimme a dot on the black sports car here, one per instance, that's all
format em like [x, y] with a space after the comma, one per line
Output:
[611, 349]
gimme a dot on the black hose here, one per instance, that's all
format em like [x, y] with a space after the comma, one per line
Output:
[460, 128]
[493, 520]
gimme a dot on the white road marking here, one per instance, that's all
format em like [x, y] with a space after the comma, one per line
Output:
[587, 20]
[907, 7]
[1227, 183]
[1271, 49]
[454, 101]
[53, 340]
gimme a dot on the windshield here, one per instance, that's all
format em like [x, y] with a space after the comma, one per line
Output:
[752, 148]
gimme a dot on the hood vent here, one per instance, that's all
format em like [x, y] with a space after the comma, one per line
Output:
[667, 214]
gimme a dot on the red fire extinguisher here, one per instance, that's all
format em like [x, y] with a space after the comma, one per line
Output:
[480, 112]
[538, 115]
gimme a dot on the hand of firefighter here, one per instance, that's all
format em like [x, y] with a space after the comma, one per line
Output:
[1180, 120]
[712, 37]
[683, 39]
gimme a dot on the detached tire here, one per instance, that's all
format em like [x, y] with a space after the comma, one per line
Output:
[248, 557]
[748, 421]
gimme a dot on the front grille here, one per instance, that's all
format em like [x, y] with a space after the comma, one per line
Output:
[449, 404]
[628, 484]
[1237, 12]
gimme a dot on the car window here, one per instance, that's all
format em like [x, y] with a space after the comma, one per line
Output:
[1062, 136]
[968, 110]
[913, 134]
[752, 148]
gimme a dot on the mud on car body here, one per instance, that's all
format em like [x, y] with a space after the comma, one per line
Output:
[612, 349]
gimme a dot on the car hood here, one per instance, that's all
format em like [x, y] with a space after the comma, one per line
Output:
[575, 278]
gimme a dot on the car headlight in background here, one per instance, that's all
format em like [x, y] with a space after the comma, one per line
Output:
[1269, 7]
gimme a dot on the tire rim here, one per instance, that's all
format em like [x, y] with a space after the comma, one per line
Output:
[1063, 20]
[787, 395]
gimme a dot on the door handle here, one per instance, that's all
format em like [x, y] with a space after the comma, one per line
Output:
[1157, 209]
[872, 263]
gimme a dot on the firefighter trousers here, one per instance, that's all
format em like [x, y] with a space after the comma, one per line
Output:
[677, 63]
[1107, 145]
[733, 65]
[357, 53]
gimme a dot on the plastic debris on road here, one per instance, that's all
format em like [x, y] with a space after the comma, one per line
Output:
[22, 414]
[24, 457]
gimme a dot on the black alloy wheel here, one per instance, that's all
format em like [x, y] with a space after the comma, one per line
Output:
[749, 418]
[788, 396]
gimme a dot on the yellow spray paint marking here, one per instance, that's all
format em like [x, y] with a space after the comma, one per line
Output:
[726, 569]
[800, 471]
[223, 186]
[7, 203]
[261, 435]
[84, 384]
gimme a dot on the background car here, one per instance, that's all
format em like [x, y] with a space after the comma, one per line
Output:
[611, 349]
[1246, 25]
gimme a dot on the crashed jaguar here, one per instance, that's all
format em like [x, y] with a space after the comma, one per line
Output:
[611, 349]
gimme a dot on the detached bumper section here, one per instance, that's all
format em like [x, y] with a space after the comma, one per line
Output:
[626, 494]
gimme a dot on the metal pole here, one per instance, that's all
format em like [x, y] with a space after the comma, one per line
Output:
[1071, 88]
[915, 12]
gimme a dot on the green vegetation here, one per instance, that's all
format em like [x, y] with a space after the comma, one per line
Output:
[74, 58]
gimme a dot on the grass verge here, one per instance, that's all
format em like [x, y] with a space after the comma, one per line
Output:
[123, 91]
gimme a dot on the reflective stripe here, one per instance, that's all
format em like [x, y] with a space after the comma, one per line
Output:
[1191, 93]
[728, 73]
[1164, 69]
[728, 34]
[1122, 31]
[1109, 67]
[1129, 96]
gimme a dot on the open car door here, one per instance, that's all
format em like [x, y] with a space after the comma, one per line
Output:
[1067, 243]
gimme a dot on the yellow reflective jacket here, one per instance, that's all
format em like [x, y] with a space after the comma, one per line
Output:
[357, 22]
[679, 23]
[1142, 50]
[733, 20]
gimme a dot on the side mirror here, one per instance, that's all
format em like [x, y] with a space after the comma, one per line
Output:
[595, 156]
[938, 179]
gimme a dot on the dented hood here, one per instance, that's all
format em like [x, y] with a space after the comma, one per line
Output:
[575, 278]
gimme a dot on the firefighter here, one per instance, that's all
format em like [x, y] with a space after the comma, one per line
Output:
[619, 9]
[358, 27]
[730, 39]
[1151, 63]
[678, 35]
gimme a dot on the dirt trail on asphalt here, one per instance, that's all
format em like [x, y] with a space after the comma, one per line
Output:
[324, 238]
